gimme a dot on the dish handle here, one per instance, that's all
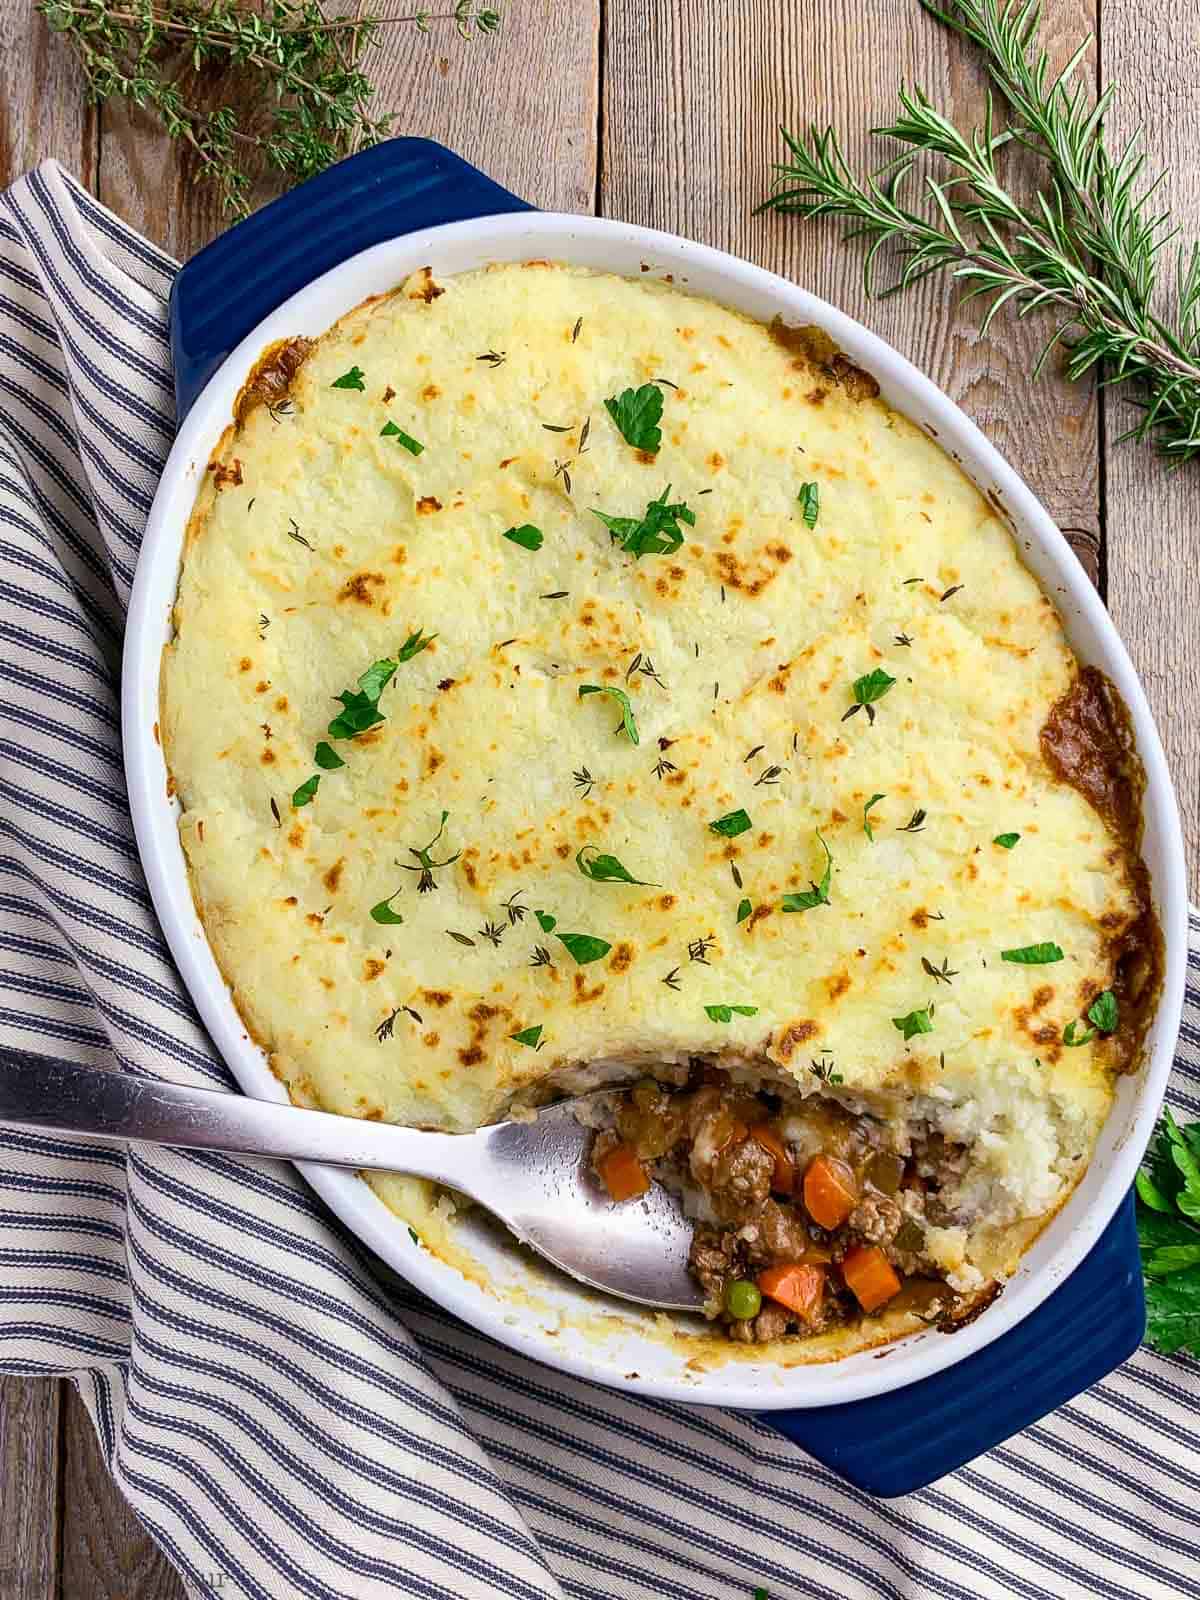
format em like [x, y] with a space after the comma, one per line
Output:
[229, 287]
[895, 1443]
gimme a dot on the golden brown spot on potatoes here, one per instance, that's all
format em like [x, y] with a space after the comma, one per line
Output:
[1042, 997]
[419, 285]
[816, 397]
[271, 377]
[749, 577]
[430, 392]
[291, 901]
[261, 687]
[676, 778]
[759, 914]
[314, 919]
[436, 997]
[400, 555]
[837, 984]
[358, 588]
[372, 967]
[583, 995]
[326, 983]
[472, 1056]
[471, 874]
[433, 760]
[200, 830]
[223, 474]
[920, 918]
[716, 461]
[508, 461]
[296, 837]
[268, 757]
[282, 703]
[814, 347]
[333, 877]
[427, 505]
[431, 1040]
[388, 394]
[562, 851]
[799, 1033]
[245, 664]
[646, 457]
[622, 958]
[666, 901]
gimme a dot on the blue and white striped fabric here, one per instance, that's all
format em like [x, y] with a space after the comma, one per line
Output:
[284, 1419]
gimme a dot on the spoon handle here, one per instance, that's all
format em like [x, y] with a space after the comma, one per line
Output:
[58, 1097]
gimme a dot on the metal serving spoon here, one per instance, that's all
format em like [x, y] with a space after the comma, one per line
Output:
[535, 1176]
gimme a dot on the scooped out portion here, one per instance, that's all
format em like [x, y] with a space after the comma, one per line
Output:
[815, 1211]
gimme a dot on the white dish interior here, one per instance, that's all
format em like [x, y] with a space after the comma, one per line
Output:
[560, 1324]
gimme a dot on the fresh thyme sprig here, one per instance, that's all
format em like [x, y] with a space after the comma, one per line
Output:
[1084, 246]
[301, 67]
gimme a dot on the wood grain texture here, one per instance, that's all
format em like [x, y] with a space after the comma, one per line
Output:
[29, 1488]
[693, 97]
[106, 1553]
[42, 110]
[1153, 543]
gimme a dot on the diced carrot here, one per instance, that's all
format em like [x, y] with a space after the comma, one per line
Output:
[870, 1276]
[622, 1174]
[829, 1191]
[784, 1179]
[795, 1285]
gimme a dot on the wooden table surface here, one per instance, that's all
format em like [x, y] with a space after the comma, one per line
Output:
[665, 112]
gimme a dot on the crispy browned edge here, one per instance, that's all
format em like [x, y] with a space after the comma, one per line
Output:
[1087, 741]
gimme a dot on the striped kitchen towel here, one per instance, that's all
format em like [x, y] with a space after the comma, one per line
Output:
[285, 1421]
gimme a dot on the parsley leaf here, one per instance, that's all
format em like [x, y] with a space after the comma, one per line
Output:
[527, 536]
[306, 790]
[605, 869]
[870, 687]
[818, 894]
[1034, 955]
[405, 440]
[915, 1022]
[1076, 1034]
[1168, 1189]
[656, 533]
[743, 910]
[584, 947]
[731, 824]
[327, 757]
[413, 646]
[1006, 840]
[546, 922]
[530, 1036]
[1104, 1012]
[727, 1013]
[350, 380]
[360, 707]
[873, 801]
[383, 912]
[637, 413]
[628, 721]
[810, 503]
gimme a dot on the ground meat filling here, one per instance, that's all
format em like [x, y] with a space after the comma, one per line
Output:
[808, 1217]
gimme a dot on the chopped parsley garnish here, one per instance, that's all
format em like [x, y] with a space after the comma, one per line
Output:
[413, 645]
[405, 440]
[605, 869]
[306, 790]
[426, 865]
[656, 533]
[527, 536]
[873, 801]
[350, 380]
[546, 922]
[1034, 955]
[809, 499]
[327, 757]
[383, 912]
[414, 1235]
[628, 722]
[727, 1013]
[529, 1036]
[637, 413]
[731, 824]
[915, 1022]
[1104, 1015]
[743, 910]
[867, 689]
[584, 947]
[360, 707]
[1006, 840]
[818, 894]
[1168, 1187]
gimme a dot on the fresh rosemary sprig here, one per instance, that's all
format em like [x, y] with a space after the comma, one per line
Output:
[1084, 246]
[297, 66]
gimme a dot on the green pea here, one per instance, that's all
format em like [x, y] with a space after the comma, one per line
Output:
[743, 1299]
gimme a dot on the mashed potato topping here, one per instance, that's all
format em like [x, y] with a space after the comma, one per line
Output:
[520, 728]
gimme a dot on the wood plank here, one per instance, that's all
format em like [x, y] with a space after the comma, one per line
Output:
[106, 1553]
[42, 110]
[693, 97]
[29, 1477]
[1153, 560]
[536, 80]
